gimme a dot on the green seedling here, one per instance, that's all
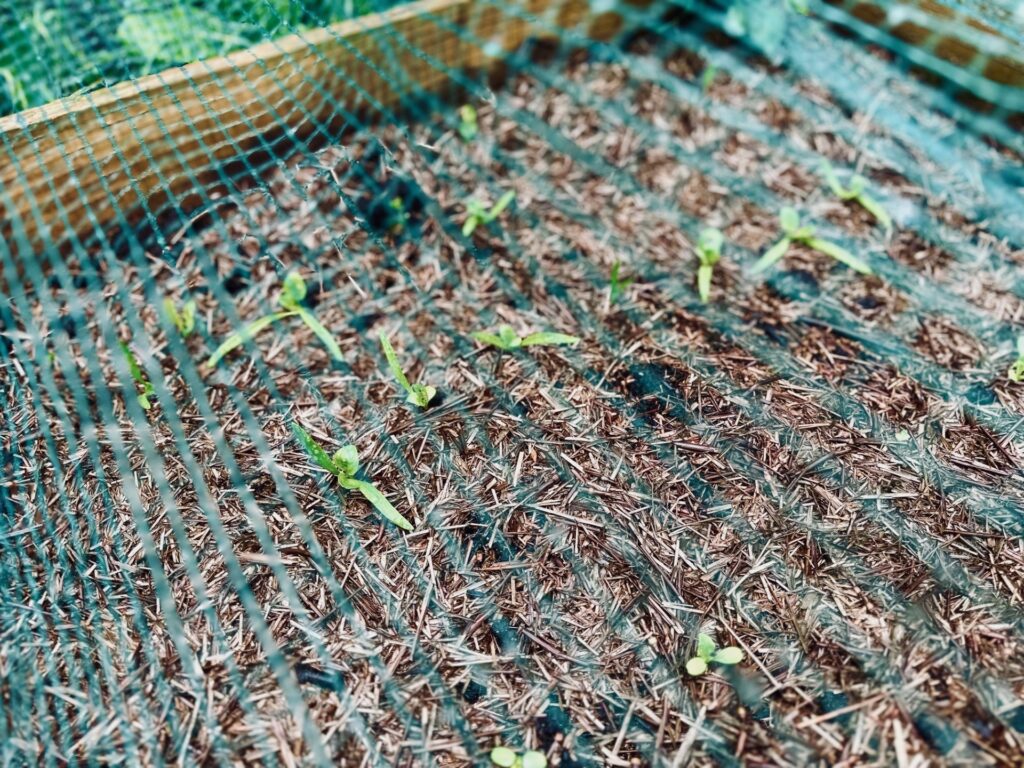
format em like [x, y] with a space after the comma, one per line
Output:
[617, 284]
[856, 193]
[185, 320]
[709, 251]
[1016, 371]
[507, 758]
[708, 653]
[400, 216]
[146, 389]
[418, 394]
[468, 127]
[478, 213]
[792, 232]
[708, 78]
[506, 339]
[344, 465]
[293, 291]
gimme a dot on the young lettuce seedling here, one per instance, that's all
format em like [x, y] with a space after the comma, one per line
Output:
[856, 193]
[507, 339]
[709, 251]
[344, 465]
[468, 127]
[707, 653]
[146, 389]
[185, 320]
[293, 291]
[792, 232]
[418, 394]
[507, 758]
[477, 212]
[617, 285]
[1016, 371]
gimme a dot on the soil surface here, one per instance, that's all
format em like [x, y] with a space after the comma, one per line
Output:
[821, 468]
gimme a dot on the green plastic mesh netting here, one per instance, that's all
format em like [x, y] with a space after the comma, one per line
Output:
[621, 383]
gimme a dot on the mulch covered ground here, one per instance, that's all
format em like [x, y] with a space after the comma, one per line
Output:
[821, 468]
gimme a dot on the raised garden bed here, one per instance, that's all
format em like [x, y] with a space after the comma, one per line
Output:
[821, 468]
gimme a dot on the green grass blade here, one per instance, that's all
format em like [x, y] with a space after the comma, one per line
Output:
[313, 448]
[324, 335]
[549, 339]
[840, 254]
[772, 255]
[236, 340]
[470, 225]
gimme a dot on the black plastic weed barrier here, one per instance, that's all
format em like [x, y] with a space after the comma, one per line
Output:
[529, 383]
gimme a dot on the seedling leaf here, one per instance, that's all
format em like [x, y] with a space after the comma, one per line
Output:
[322, 333]
[771, 256]
[696, 666]
[468, 126]
[1016, 371]
[313, 448]
[549, 339]
[503, 756]
[346, 461]
[616, 284]
[489, 339]
[377, 499]
[184, 321]
[501, 205]
[875, 208]
[709, 243]
[146, 389]
[396, 369]
[237, 339]
[839, 254]
[705, 646]
[534, 759]
[293, 291]
[420, 395]
[477, 213]
[730, 655]
[789, 219]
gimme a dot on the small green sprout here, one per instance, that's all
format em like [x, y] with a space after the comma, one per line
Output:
[185, 320]
[856, 193]
[146, 389]
[401, 216]
[468, 127]
[344, 465]
[707, 653]
[708, 78]
[1016, 371]
[418, 394]
[792, 232]
[507, 758]
[293, 291]
[709, 251]
[477, 212]
[507, 339]
[617, 285]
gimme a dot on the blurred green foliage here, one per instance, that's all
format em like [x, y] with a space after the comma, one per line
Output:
[55, 48]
